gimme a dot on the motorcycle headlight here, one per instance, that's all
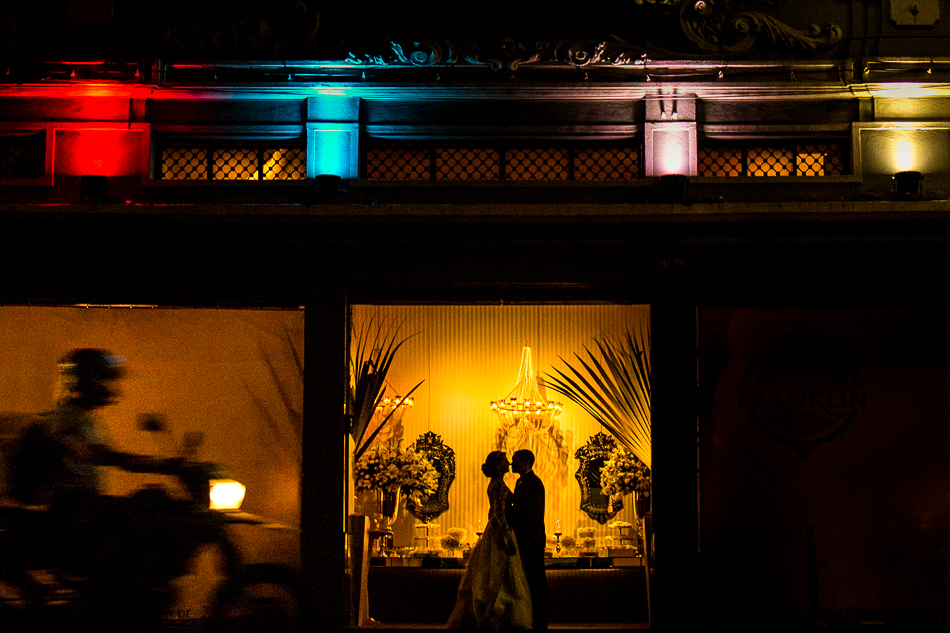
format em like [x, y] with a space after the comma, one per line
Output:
[226, 494]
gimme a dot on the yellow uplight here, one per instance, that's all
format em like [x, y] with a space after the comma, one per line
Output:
[227, 494]
[906, 91]
[904, 155]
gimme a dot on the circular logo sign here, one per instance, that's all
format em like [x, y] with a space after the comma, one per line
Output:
[801, 390]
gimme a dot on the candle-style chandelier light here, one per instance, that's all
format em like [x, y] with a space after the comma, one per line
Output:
[390, 412]
[525, 409]
[396, 405]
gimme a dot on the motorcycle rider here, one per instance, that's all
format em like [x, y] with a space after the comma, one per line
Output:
[58, 464]
[68, 442]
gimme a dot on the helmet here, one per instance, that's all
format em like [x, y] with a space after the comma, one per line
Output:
[92, 364]
[85, 374]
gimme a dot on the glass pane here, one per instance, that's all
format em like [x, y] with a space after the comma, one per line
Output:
[235, 164]
[467, 164]
[536, 164]
[184, 163]
[770, 161]
[285, 164]
[395, 163]
[622, 163]
[722, 161]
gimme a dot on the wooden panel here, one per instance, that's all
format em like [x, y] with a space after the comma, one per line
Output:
[220, 111]
[495, 112]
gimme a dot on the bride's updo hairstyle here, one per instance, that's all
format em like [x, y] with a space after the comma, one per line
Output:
[490, 467]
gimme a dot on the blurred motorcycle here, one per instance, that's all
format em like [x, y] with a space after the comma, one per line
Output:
[157, 536]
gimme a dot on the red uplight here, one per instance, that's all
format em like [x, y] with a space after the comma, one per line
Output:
[98, 152]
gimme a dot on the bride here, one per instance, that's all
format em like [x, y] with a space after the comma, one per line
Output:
[494, 591]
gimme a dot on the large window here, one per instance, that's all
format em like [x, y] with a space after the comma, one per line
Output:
[232, 376]
[466, 358]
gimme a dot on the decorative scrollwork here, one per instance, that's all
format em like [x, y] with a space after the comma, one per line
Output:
[443, 459]
[582, 53]
[714, 26]
[504, 54]
[592, 456]
[731, 26]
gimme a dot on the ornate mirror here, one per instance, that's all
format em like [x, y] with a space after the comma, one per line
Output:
[443, 459]
[592, 456]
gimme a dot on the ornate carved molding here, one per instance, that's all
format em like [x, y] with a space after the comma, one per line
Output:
[715, 27]
[505, 54]
[730, 26]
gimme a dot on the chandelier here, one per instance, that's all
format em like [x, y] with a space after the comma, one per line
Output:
[390, 411]
[396, 405]
[524, 408]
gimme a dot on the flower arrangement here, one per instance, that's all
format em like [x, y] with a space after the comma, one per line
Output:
[450, 542]
[458, 534]
[390, 468]
[623, 473]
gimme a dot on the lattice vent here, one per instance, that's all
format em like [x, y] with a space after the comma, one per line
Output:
[467, 164]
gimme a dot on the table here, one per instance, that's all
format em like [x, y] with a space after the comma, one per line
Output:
[426, 595]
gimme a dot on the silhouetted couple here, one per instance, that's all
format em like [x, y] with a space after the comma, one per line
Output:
[504, 585]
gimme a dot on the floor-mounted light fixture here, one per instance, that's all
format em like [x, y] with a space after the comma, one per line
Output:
[328, 187]
[672, 188]
[524, 408]
[93, 188]
[908, 184]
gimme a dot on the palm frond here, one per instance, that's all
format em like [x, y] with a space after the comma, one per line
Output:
[362, 449]
[376, 346]
[612, 384]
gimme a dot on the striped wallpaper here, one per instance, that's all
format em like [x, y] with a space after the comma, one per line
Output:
[469, 355]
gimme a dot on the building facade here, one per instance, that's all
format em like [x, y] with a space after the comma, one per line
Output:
[689, 156]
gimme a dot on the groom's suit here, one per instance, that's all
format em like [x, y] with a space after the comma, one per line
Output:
[527, 521]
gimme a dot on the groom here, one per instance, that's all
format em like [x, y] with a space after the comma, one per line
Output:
[527, 520]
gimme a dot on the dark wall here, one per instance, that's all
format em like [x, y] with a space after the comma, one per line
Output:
[830, 486]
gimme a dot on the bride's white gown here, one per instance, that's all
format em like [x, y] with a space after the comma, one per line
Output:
[494, 591]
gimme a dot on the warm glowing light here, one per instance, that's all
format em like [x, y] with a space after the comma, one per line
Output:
[226, 494]
[671, 152]
[524, 407]
[390, 411]
[388, 404]
[906, 91]
[904, 155]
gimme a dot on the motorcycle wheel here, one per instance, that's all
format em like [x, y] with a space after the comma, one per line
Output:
[195, 591]
[261, 597]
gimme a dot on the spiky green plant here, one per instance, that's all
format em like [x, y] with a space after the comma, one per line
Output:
[613, 387]
[376, 346]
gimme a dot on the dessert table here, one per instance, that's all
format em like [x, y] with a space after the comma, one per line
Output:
[595, 590]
